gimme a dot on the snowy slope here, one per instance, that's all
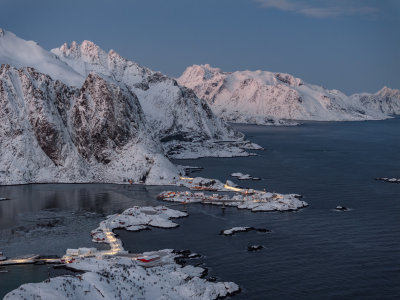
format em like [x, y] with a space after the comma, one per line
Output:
[386, 101]
[50, 132]
[261, 96]
[120, 278]
[174, 112]
[20, 53]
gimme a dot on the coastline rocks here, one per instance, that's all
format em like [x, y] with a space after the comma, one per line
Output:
[341, 208]
[254, 248]
[121, 277]
[391, 180]
[194, 150]
[242, 176]
[183, 255]
[247, 199]
[135, 219]
[234, 230]
[117, 274]
[201, 183]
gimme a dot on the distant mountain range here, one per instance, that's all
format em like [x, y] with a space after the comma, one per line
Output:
[263, 97]
[79, 114]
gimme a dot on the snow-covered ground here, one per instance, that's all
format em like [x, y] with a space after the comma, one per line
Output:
[242, 176]
[119, 277]
[134, 219]
[201, 183]
[262, 97]
[21, 53]
[244, 198]
[190, 150]
[234, 230]
[117, 274]
[341, 208]
[391, 180]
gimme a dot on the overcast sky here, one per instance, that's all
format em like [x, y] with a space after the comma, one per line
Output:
[350, 45]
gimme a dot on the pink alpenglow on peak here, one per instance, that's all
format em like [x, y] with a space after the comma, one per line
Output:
[264, 97]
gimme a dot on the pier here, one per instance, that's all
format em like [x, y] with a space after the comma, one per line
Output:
[29, 259]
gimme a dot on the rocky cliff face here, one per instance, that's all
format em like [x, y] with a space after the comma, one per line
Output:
[83, 115]
[263, 97]
[51, 132]
[173, 112]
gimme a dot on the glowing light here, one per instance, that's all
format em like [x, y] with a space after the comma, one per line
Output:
[186, 178]
[232, 188]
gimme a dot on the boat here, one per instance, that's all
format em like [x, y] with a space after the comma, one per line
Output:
[4, 199]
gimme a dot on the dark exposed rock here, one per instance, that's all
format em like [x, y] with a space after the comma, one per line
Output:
[47, 125]
[254, 248]
[104, 117]
[246, 229]
[341, 208]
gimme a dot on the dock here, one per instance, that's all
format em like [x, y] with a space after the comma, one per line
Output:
[29, 259]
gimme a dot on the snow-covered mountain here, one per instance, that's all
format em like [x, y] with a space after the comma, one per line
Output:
[264, 97]
[176, 115]
[386, 101]
[82, 115]
[50, 132]
[21, 53]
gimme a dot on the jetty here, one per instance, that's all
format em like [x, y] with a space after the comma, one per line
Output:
[29, 259]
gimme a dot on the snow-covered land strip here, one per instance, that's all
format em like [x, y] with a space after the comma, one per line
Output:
[194, 150]
[391, 180]
[263, 97]
[242, 176]
[244, 199]
[204, 184]
[186, 170]
[134, 219]
[119, 277]
[234, 230]
[236, 117]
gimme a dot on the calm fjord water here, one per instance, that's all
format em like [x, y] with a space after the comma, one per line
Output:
[316, 253]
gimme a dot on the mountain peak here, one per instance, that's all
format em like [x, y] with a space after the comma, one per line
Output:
[259, 96]
[20, 53]
[387, 91]
[89, 45]
[205, 71]
[87, 49]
